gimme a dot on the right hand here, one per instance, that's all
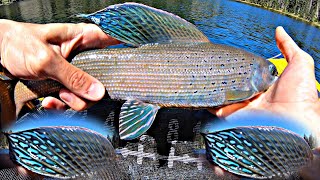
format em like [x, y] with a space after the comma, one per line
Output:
[39, 51]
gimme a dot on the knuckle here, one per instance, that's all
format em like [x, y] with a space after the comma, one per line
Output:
[44, 62]
[77, 80]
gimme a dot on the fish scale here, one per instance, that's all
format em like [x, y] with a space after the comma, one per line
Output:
[145, 74]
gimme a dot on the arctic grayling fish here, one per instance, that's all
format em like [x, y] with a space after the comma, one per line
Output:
[174, 65]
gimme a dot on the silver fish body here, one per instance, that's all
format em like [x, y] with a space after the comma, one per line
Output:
[180, 75]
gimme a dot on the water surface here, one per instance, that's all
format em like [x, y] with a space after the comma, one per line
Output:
[223, 21]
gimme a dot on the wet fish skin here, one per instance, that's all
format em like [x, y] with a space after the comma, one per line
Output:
[179, 75]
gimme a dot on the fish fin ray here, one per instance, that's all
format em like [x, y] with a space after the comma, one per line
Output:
[236, 95]
[138, 24]
[60, 152]
[136, 117]
[257, 151]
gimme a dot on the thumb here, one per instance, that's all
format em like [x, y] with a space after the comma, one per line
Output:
[290, 49]
[286, 44]
[292, 85]
[76, 80]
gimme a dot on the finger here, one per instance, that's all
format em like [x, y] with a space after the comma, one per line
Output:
[218, 171]
[229, 109]
[221, 173]
[53, 103]
[8, 164]
[290, 49]
[74, 79]
[94, 37]
[6, 161]
[72, 100]
[311, 171]
[77, 37]
[286, 44]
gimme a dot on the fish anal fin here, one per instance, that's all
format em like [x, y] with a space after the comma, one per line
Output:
[238, 95]
[136, 117]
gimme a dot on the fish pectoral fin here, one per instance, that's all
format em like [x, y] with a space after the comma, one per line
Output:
[138, 24]
[238, 95]
[136, 117]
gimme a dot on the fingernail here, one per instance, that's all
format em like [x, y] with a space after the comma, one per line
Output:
[66, 97]
[96, 90]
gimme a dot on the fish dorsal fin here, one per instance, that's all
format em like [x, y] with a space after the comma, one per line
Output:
[61, 151]
[258, 151]
[138, 24]
[136, 117]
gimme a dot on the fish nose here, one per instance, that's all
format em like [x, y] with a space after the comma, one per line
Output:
[273, 70]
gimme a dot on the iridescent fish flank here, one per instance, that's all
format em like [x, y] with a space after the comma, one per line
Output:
[261, 152]
[172, 64]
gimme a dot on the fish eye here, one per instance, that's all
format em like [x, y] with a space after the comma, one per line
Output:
[273, 70]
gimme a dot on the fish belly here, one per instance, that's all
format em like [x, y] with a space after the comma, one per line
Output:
[179, 75]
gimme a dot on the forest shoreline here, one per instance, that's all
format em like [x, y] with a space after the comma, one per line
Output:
[292, 15]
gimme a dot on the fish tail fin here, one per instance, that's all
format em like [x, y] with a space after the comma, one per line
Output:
[7, 103]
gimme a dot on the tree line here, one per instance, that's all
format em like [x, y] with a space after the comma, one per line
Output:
[306, 9]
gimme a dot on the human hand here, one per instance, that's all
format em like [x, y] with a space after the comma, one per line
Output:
[39, 51]
[9, 170]
[294, 95]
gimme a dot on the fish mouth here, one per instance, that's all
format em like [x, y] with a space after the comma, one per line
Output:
[273, 70]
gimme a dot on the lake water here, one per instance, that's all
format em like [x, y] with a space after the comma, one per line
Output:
[223, 21]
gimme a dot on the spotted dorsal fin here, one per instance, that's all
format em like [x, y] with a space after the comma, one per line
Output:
[259, 152]
[62, 151]
[138, 24]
